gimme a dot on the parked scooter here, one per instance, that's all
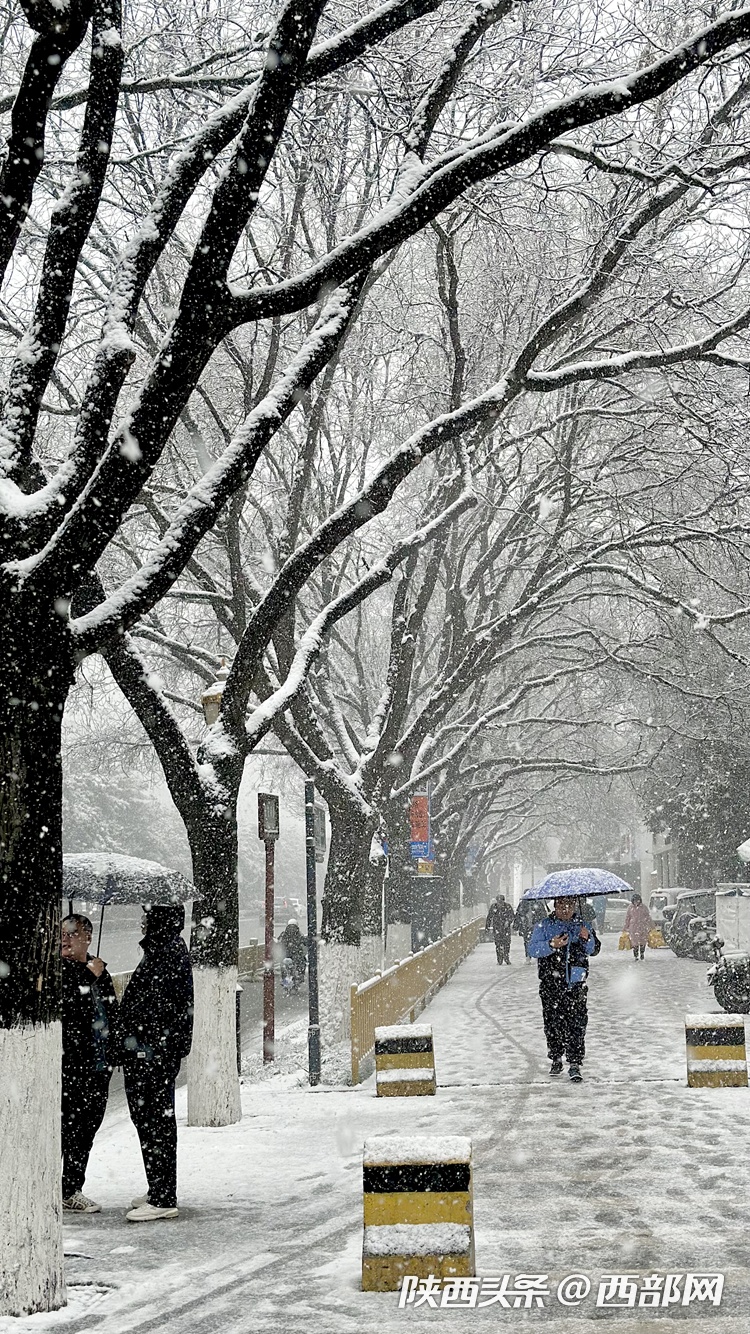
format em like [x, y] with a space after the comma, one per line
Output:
[294, 961]
[292, 975]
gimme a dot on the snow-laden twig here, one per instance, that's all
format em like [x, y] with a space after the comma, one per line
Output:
[310, 644]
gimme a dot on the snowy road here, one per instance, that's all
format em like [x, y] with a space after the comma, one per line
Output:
[630, 1172]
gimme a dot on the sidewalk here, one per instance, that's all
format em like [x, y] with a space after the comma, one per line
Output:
[630, 1172]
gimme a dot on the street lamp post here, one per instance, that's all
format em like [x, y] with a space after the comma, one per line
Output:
[268, 831]
[314, 850]
[211, 698]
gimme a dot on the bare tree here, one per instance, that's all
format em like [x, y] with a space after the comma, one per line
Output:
[63, 508]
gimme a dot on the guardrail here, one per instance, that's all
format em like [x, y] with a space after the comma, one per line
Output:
[250, 959]
[405, 989]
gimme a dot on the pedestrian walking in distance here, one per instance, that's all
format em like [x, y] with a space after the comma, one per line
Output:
[500, 923]
[562, 945]
[528, 913]
[638, 923]
[156, 1023]
[89, 1020]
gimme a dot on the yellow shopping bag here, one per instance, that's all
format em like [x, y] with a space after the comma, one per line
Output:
[656, 940]
[624, 941]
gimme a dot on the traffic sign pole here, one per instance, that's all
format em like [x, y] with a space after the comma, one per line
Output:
[313, 1031]
[268, 978]
[268, 831]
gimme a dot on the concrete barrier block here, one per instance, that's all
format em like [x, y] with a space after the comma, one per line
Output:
[418, 1210]
[404, 1061]
[715, 1047]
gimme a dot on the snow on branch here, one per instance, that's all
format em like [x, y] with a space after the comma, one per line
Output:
[199, 510]
[546, 381]
[433, 188]
[60, 33]
[312, 640]
[486, 14]
[70, 225]
[40, 510]
[459, 747]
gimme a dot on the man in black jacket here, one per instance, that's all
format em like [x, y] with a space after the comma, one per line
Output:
[500, 922]
[156, 1023]
[89, 1016]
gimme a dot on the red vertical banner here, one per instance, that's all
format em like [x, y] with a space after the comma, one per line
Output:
[419, 820]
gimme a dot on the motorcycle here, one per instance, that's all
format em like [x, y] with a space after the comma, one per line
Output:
[292, 975]
[730, 979]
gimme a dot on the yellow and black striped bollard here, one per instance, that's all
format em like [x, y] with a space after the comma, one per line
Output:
[418, 1210]
[716, 1056]
[404, 1061]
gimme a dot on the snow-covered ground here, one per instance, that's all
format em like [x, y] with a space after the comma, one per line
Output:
[630, 1172]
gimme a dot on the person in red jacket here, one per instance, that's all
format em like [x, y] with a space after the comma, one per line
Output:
[638, 923]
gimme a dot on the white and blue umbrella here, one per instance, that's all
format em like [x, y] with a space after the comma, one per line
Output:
[578, 882]
[112, 877]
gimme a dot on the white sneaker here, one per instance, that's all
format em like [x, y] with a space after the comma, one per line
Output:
[147, 1213]
[139, 1200]
[78, 1203]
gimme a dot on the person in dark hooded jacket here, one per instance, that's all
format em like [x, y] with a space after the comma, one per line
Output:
[528, 913]
[156, 1027]
[294, 945]
[499, 921]
[562, 945]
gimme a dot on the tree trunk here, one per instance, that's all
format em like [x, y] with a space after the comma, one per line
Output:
[342, 961]
[372, 897]
[33, 690]
[346, 875]
[213, 1082]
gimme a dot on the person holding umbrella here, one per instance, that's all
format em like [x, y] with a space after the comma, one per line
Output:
[89, 1019]
[562, 945]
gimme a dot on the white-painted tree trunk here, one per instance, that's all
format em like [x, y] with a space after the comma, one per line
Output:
[370, 957]
[399, 942]
[31, 1265]
[213, 1082]
[339, 968]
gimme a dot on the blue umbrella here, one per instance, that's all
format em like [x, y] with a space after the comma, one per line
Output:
[579, 881]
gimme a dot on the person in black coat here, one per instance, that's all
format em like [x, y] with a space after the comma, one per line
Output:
[294, 945]
[156, 1025]
[500, 922]
[89, 1021]
[528, 913]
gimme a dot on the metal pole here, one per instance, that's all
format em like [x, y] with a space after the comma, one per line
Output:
[313, 1030]
[383, 919]
[101, 924]
[268, 979]
[238, 1023]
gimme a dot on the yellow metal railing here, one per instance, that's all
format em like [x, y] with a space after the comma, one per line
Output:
[403, 990]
